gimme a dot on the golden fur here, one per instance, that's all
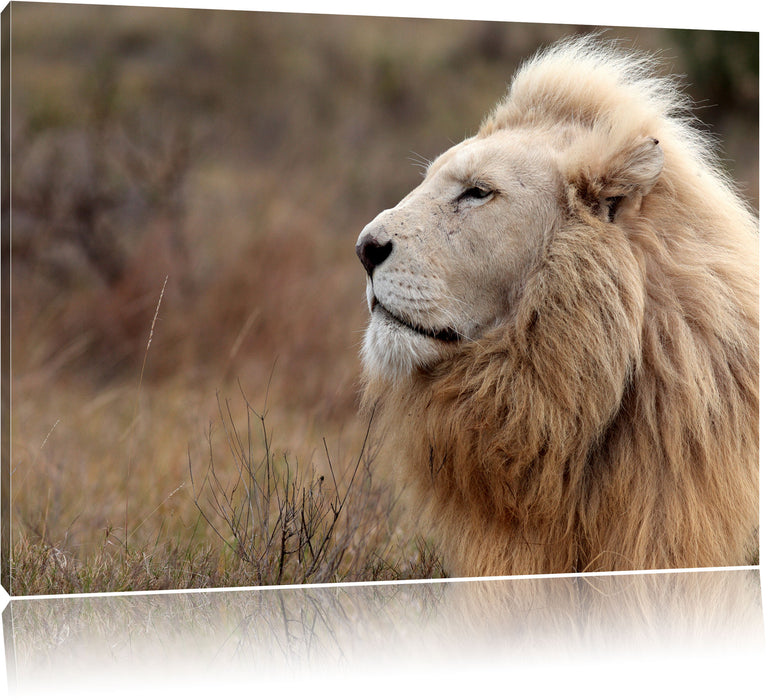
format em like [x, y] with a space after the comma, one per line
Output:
[609, 419]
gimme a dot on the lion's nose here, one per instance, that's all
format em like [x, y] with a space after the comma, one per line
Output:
[372, 252]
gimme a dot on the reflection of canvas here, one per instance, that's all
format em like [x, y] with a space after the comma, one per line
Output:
[314, 635]
[187, 307]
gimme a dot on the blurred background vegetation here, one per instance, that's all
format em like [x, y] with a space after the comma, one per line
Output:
[231, 158]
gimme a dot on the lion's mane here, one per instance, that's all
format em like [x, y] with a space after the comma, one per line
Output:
[612, 423]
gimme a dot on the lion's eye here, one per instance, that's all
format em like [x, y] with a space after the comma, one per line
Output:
[475, 192]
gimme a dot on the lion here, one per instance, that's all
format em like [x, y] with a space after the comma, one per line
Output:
[562, 352]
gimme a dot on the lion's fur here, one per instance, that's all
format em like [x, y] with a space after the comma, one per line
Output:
[612, 423]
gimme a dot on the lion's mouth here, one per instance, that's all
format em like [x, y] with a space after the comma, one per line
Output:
[446, 335]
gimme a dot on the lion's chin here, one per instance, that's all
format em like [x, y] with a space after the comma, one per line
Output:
[392, 349]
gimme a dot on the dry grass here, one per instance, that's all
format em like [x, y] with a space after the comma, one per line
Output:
[232, 158]
[263, 520]
[291, 524]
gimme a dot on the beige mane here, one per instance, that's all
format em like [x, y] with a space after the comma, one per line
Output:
[612, 423]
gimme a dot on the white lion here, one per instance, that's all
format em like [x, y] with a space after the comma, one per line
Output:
[563, 344]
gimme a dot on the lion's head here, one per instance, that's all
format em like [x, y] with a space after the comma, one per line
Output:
[563, 343]
[449, 262]
[445, 264]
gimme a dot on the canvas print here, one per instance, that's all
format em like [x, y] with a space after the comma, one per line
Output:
[294, 299]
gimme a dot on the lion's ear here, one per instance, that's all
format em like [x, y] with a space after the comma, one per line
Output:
[617, 185]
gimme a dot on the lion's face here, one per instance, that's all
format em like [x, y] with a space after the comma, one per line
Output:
[447, 263]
